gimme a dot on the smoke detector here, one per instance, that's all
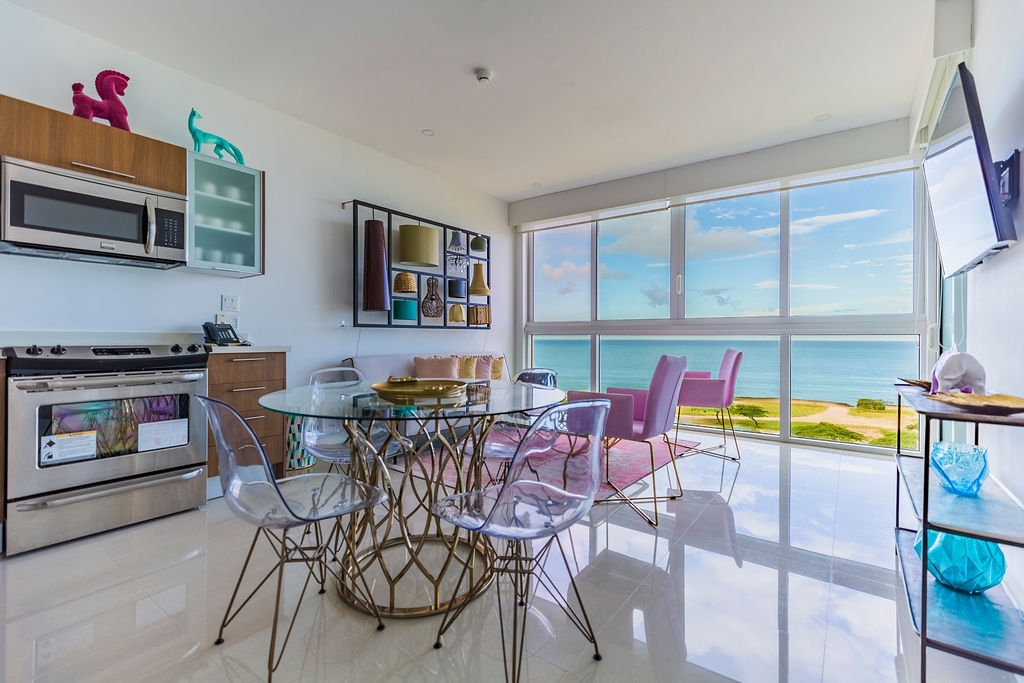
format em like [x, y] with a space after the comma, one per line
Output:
[483, 75]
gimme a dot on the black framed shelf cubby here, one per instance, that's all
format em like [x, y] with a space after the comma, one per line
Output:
[446, 271]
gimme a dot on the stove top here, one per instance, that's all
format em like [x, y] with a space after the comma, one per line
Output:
[62, 360]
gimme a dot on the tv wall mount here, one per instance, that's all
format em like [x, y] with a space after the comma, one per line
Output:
[1009, 178]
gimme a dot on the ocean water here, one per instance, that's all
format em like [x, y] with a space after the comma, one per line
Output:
[822, 369]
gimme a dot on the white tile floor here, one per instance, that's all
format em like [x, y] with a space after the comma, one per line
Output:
[779, 569]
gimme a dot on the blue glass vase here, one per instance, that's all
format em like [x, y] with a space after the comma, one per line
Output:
[961, 563]
[960, 467]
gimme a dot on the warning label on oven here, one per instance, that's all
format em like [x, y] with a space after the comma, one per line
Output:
[60, 448]
[154, 435]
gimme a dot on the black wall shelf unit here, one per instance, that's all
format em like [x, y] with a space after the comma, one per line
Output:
[392, 218]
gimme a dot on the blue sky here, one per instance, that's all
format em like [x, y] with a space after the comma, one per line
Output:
[851, 253]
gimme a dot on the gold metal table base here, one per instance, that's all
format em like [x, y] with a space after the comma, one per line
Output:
[407, 558]
[481, 550]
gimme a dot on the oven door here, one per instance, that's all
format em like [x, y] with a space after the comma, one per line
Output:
[66, 432]
[68, 211]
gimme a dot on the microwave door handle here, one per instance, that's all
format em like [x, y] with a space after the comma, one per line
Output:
[151, 222]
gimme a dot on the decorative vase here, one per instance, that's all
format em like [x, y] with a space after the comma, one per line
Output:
[418, 245]
[376, 296]
[478, 243]
[456, 243]
[478, 287]
[961, 563]
[456, 289]
[456, 314]
[405, 309]
[432, 305]
[405, 283]
[960, 467]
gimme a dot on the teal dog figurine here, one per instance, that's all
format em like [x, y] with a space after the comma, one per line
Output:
[220, 145]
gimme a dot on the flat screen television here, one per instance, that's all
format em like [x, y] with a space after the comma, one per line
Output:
[971, 222]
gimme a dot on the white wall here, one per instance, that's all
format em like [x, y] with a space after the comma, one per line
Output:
[995, 309]
[306, 293]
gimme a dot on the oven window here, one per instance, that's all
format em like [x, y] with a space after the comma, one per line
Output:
[47, 208]
[69, 432]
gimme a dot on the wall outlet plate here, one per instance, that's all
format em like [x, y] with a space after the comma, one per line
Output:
[223, 319]
[229, 302]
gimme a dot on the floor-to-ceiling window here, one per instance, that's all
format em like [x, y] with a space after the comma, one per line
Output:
[819, 282]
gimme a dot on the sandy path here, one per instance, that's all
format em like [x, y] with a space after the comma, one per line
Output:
[837, 414]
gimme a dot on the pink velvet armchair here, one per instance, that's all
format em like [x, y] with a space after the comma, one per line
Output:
[699, 390]
[641, 415]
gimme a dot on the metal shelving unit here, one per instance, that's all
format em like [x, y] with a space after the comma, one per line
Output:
[392, 218]
[986, 627]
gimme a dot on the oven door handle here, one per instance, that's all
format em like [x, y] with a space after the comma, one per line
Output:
[57, 501]
[151, 222]
[107, 382]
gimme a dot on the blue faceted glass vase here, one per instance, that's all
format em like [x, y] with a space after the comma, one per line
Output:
[960, 467]
[961, 563]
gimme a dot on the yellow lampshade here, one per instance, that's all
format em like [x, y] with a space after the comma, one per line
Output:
[418, 245]
[456, 314]
[478, 287]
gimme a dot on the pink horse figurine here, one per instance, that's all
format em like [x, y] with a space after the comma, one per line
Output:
[110, 85]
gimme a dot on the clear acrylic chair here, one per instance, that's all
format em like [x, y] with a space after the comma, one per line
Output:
[327, 439]
[504, 436]
[551, 484]
[274, 507]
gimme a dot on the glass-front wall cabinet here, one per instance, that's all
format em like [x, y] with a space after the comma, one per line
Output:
[225, 217]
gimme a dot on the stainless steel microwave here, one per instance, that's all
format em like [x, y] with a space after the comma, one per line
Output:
[56, 213]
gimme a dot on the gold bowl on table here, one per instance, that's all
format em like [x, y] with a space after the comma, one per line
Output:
[998, 404]
[410, 388]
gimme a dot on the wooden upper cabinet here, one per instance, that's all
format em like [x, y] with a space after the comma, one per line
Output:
[46, 136]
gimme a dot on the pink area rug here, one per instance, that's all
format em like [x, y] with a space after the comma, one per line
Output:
[628, 462]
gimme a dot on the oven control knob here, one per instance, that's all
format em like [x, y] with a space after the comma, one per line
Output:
[58, 350]
[192, 348]
[176, 348]
[34, 350]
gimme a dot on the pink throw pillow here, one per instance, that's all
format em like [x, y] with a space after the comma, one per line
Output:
[446, 367]
[483, 366]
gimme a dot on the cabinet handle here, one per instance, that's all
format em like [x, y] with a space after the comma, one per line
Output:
[245, 360]
[250, 389]
[256, 417]
[150, 225]
[103, 170]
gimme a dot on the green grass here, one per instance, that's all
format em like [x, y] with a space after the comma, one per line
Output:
[888, 440]
[826, 431]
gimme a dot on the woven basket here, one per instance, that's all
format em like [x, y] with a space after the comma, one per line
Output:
[405, 283]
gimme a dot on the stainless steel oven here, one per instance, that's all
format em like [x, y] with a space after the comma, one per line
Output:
[100, 437]
[56, 213]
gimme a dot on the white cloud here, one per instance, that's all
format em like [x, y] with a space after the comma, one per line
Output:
[803, 226]
[898, 237]
[566, 269]
[606, 273]
[659, 264]
[767, 284]
[657, 296]
[645, 235]
[813, 286]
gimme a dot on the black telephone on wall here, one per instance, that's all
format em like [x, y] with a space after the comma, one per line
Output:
[221, 334]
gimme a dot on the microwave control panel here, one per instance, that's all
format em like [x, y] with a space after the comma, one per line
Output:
[170, 229]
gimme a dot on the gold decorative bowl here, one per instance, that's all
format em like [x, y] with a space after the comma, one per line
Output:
[998, 404]
[407, 389]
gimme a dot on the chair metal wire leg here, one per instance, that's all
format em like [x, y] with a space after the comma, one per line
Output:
[234, 594]
[632, 502]
[734, 440]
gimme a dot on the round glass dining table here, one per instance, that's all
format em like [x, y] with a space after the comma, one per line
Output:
[419, 451]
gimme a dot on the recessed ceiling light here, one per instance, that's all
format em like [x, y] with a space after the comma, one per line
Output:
[429, 132]
[822, 117]
[535, 184]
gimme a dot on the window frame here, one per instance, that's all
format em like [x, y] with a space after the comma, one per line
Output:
[919, 322]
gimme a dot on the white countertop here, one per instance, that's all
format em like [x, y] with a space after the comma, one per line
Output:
[250, 349]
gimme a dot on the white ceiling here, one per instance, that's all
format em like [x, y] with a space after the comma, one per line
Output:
[584, 90]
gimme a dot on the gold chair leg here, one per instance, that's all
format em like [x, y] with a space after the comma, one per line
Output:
[734, 440]
[238, 584]
[632, 501]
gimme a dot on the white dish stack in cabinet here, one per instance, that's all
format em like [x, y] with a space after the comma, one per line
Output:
[225, 217]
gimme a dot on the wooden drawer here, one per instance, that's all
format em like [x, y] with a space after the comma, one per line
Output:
[245, 396]
[245, 367]
[264, 423]
[273, 445]
[46, 136]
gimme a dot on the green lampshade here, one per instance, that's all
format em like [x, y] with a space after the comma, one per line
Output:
[404, 309]
[418, 245]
